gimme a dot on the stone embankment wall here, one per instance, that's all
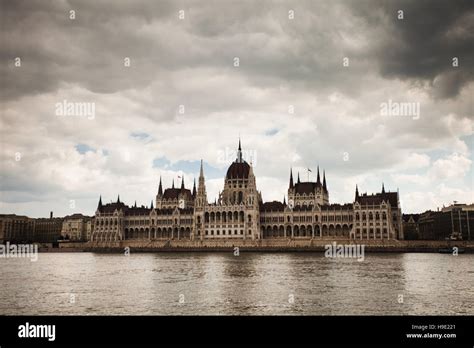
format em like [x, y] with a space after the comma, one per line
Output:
[263, 245]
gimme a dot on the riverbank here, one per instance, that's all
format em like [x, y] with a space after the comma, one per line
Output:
[269, 245]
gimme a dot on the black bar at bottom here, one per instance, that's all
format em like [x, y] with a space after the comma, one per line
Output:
[262, 330]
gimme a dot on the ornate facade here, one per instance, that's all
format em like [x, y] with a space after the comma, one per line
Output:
[240, 213]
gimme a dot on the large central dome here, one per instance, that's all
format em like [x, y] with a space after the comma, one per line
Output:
[238, 170]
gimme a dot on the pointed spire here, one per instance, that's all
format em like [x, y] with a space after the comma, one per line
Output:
[100, 203]
[324, 181]
[284, 200]
[118, 199]
[201, 197]
[160, 188]
[318, 179]
[383, 188]
[357, 193]
[201, 170]
[135, 204]
[194, 188]
[182, 182]
[239, 153]
[298, 178]
[291, 178]
[172, 186]
[151, 206]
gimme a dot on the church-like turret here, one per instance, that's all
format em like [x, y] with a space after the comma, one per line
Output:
[160, 189]
[324, 181]
[99, 206]
[201, 197]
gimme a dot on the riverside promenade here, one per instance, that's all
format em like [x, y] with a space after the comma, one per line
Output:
[264, 245]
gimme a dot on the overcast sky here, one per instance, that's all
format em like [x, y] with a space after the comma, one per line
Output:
[291, 98]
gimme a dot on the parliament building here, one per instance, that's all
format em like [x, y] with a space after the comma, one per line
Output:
[179, 213]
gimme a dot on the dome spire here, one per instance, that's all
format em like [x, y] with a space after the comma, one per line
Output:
[239, 153]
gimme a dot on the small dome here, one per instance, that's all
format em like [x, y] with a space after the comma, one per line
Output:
[238, 170]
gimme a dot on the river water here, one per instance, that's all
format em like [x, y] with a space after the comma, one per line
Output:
[249, 284]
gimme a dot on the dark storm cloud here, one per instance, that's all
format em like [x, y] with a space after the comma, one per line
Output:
[421, 46]
[305, 53]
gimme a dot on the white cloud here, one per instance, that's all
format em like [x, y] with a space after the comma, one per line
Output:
[336, 109]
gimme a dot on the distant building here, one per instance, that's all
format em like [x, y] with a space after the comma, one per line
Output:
[411, 229]
[455, 221]
[240, 213]
[16, 228]
[47, 230]
[76, 227]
